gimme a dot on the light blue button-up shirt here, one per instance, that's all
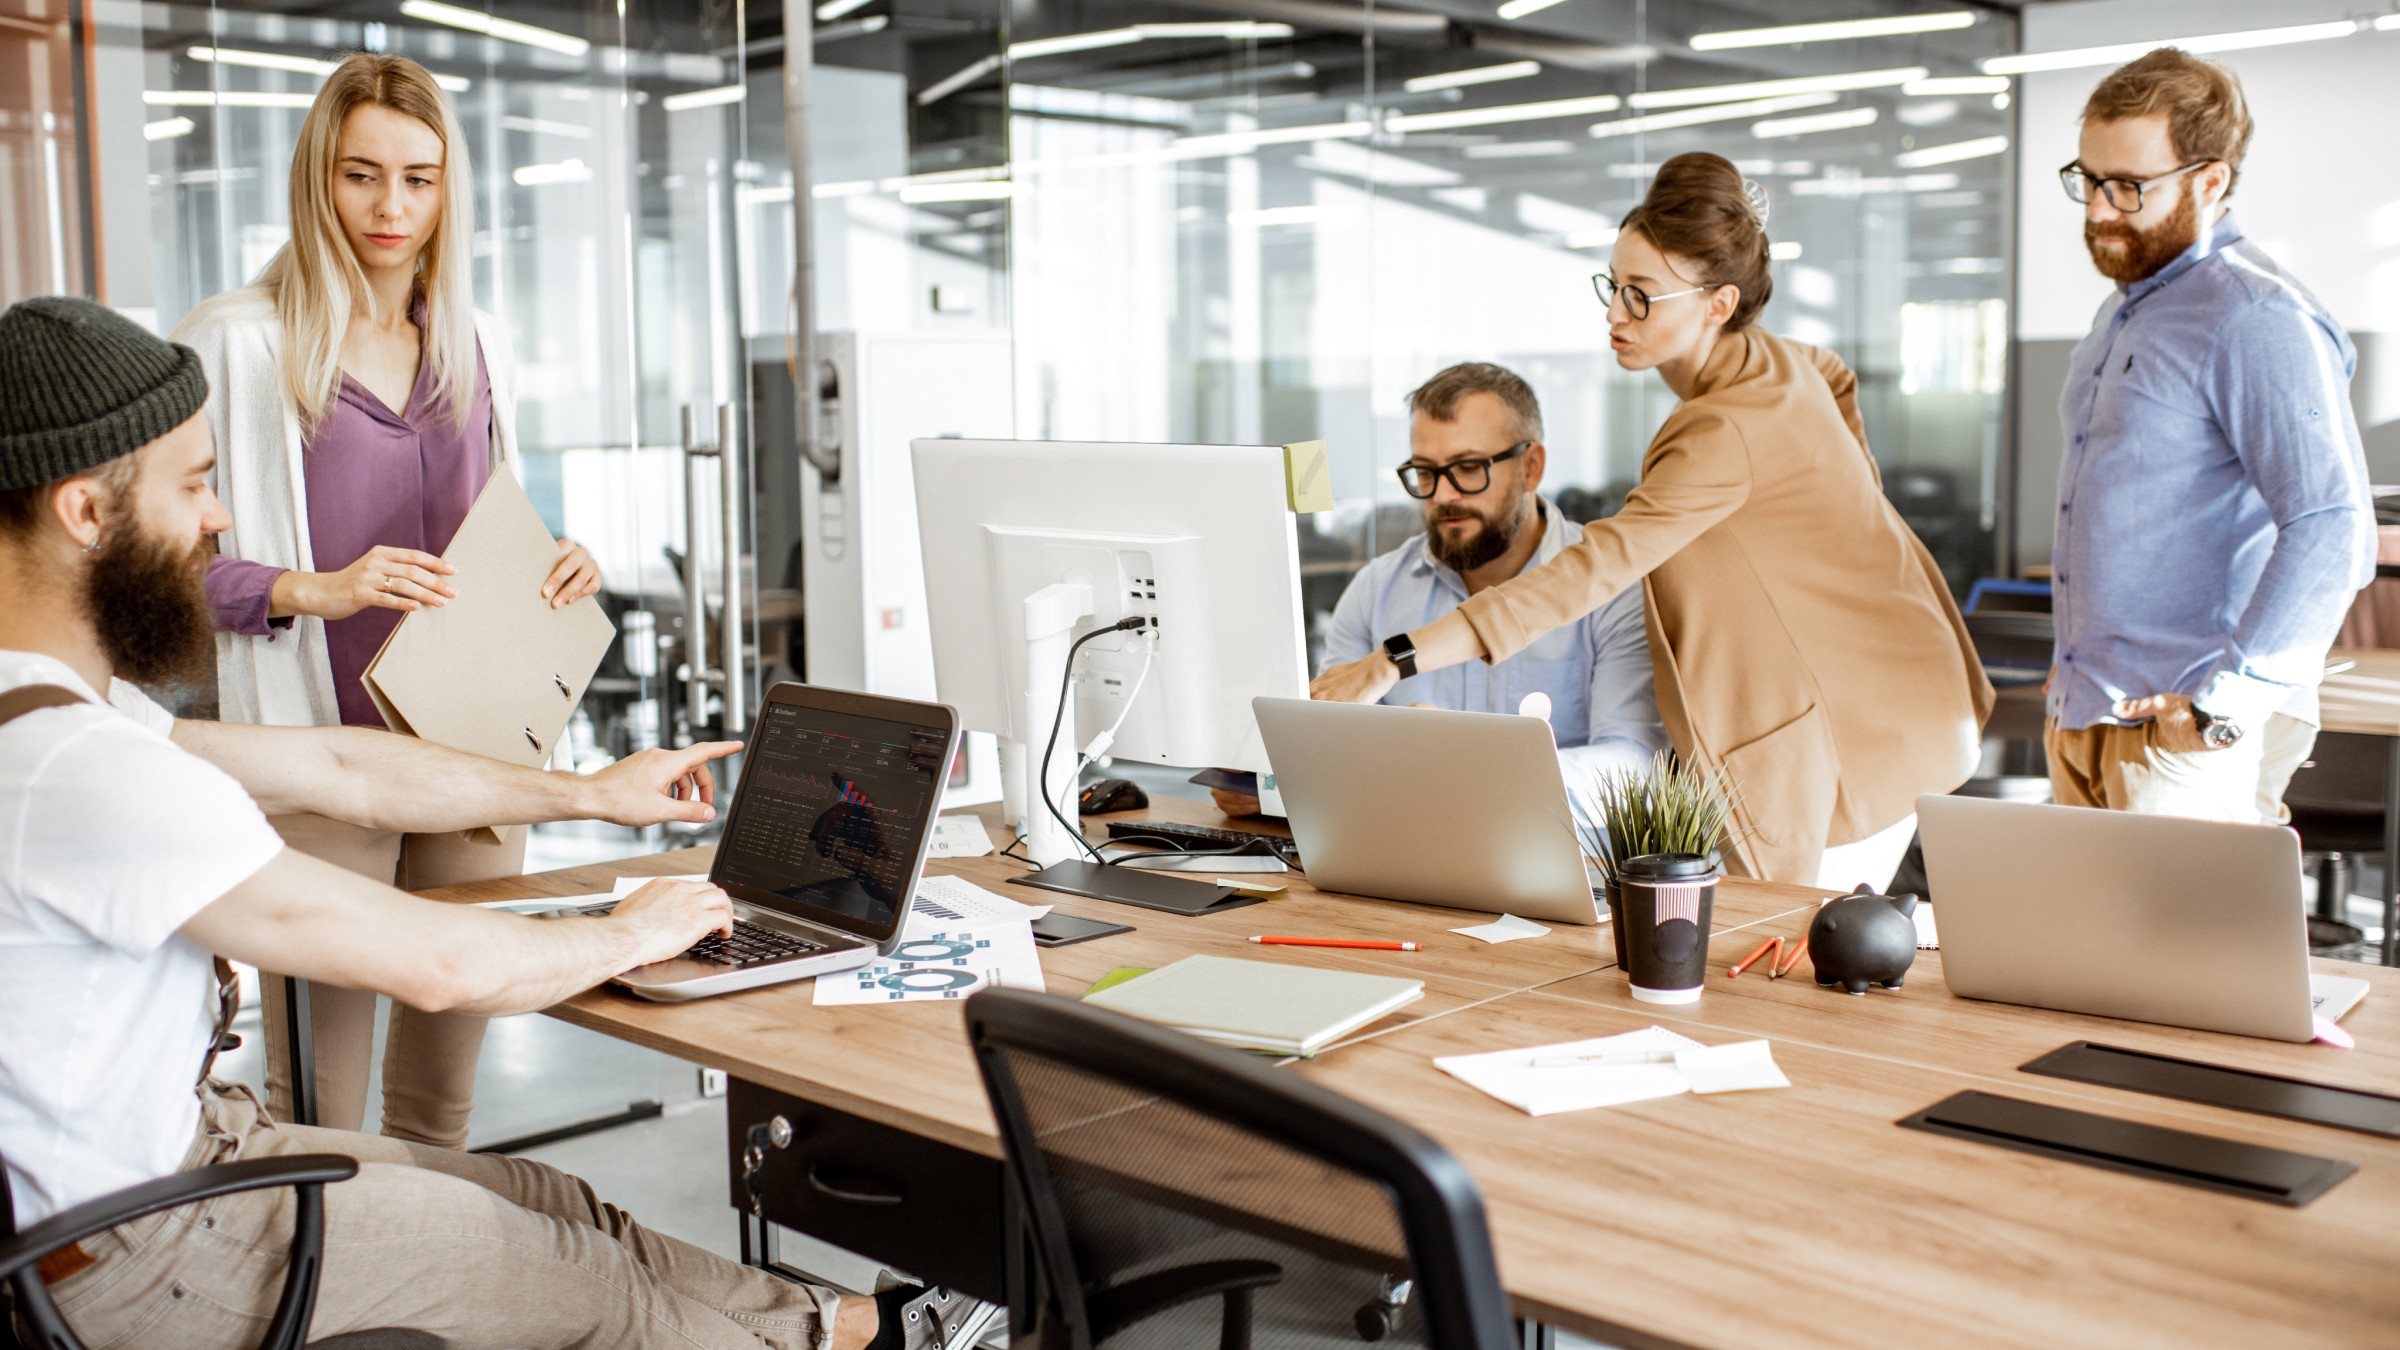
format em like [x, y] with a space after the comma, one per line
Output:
[1603, 709]
[2213, 514]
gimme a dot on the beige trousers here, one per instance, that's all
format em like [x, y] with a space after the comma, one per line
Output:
[475, 1249]
[2122, 769]
[428, 1058]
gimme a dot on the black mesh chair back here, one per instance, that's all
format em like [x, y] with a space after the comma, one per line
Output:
[1180, 1194]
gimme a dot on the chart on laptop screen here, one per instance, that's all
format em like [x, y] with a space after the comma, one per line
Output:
[833, 807]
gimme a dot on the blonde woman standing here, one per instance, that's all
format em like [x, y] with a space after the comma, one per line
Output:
[360, 403]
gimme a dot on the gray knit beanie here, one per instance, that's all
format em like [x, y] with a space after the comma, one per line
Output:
[81, 384]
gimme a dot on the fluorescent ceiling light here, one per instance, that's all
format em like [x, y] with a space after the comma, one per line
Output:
[1802, 126]
[1784, 250]
[1945, 85]
[1861, 187]
[1237, 30]
[171, 127]
[1072, 42]
[539, 127]
[1812, 84]
[835, 32]
[2387, 23]
[1512, 112]
[1590, 238]
[951, 84]
[299, 65]
[1519, 149]
[1952, 153]
[231, 98]
[507, 30]
[1726, 112]
[1514, 70]
[1832, 32]
[1374, 166]
[834, 9]
[986, 191]
[2118, 53]
[1518, 9]
[1243, 142]
[703, 98]
[565, 171]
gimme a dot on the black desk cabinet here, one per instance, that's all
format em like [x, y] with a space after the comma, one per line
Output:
[937, 1212]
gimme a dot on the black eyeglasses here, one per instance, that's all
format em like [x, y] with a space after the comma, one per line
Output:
[2079, 182]
[1637, 300]
[1467, 476]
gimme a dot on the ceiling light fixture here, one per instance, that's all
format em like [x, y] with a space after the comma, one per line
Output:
[1802, 126]
[1943, 86]
[703, 98]
[1833, 32]
[1242, 30]
[1518, 9]
[1952, 153]
[565, 171]
[231, 98]
[1811, 84]
[2118, 53]
[1785, 250]
[1514, 70]
[1509, 112]
[298, 65]
[507, 30]
[1724, 112]
[166, 130]
[834, 9]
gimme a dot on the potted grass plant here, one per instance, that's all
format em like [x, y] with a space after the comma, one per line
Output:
[1665, 806]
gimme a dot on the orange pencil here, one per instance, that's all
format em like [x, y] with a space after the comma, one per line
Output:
[1771, 944]
[1797, 952]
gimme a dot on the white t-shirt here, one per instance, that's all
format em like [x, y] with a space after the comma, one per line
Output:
[110, 838]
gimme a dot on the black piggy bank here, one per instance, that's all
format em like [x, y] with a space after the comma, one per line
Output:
[1864, 939]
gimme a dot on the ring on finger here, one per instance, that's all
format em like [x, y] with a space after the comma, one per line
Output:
[387, 582]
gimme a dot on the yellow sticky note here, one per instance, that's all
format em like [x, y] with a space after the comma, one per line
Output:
[1307, 478]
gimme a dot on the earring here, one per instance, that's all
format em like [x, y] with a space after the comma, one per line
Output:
[92, 545]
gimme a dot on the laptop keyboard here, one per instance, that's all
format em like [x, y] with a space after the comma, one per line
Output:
[750, 945]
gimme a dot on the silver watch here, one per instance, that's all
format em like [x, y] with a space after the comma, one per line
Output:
[2215, 732]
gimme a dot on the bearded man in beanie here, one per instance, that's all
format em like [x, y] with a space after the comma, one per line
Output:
[135, 856]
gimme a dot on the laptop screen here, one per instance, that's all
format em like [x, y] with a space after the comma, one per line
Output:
[833, 812]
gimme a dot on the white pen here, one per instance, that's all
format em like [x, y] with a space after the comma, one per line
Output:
[1604, 1057]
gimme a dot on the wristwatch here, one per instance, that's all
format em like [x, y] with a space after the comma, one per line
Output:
[2215, 732]
[1403, 653]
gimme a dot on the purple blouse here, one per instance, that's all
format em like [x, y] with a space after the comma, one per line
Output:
[374, 476]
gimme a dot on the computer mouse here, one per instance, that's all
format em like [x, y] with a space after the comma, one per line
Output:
[1111, 794]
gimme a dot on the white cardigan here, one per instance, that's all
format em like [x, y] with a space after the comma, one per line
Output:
[287, 680]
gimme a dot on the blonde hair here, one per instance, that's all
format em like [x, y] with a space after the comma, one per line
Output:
[315, 280]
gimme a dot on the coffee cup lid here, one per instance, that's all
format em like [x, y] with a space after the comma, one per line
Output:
[1669, 867]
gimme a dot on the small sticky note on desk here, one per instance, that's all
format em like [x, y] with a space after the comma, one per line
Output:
[1506, 928]
[1307, 478]
[1738, 1067]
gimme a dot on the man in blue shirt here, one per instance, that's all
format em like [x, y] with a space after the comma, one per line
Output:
[2213, 514]
[1475, 462]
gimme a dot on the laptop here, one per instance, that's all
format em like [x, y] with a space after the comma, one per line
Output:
[823, 844]
[1442, 808]
[2188, 923]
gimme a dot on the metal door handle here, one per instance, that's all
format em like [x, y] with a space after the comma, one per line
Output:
[818, 1183]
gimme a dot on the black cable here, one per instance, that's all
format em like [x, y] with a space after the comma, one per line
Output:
[1066, 686]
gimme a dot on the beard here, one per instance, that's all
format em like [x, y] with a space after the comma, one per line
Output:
[2145, 251]
[1473, 551]
[148, 607]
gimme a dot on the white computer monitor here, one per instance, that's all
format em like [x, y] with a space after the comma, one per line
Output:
[1198, 538]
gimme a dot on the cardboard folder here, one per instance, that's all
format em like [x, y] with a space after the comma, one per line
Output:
[497, 671]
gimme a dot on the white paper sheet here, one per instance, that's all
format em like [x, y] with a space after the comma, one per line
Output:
[941, 966]
[955, 902]
[959, 837]
[542, 904]
[1506, 928]
[1738, 1067]
[1927, 939]
[1510, 1075]
[628, 885]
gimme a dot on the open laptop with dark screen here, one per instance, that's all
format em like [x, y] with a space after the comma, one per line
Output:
[823, 844]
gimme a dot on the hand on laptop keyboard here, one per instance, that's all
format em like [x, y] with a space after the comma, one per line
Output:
[669, 918]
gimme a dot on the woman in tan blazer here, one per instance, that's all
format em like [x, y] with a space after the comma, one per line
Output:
[1801, 635]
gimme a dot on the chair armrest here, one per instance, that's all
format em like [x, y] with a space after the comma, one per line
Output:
[169, 1192]
[1120, 1306]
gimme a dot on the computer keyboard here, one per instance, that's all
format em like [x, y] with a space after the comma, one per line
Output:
[750, 945]
[1199, 837]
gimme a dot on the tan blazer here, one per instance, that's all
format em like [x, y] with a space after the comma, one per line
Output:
[1801, 635]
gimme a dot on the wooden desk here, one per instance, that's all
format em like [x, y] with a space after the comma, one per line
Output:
[2365, 700]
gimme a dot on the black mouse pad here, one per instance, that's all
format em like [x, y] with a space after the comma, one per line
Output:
[1129, 886]
[2193, 1080]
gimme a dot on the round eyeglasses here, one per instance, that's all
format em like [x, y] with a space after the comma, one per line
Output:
[1637, 300]
[2125, 194]
[1467, 476]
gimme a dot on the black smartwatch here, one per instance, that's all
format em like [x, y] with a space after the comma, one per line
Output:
[1403, 653]
[2215, 732]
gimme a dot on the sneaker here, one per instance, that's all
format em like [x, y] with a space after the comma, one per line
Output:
[936, 1318]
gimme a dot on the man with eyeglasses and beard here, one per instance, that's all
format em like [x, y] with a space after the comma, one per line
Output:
[2213, 516]
[1475, 463]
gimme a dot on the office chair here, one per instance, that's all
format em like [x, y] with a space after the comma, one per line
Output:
[1172, 1187]
[307, 1173]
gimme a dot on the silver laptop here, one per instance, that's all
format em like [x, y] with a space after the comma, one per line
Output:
[824, 842]
[2189, 923]
[1443, 808]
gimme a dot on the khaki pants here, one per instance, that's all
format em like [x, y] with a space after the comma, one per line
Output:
[428, 1058]
[2122, 769]
[475, 1249]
